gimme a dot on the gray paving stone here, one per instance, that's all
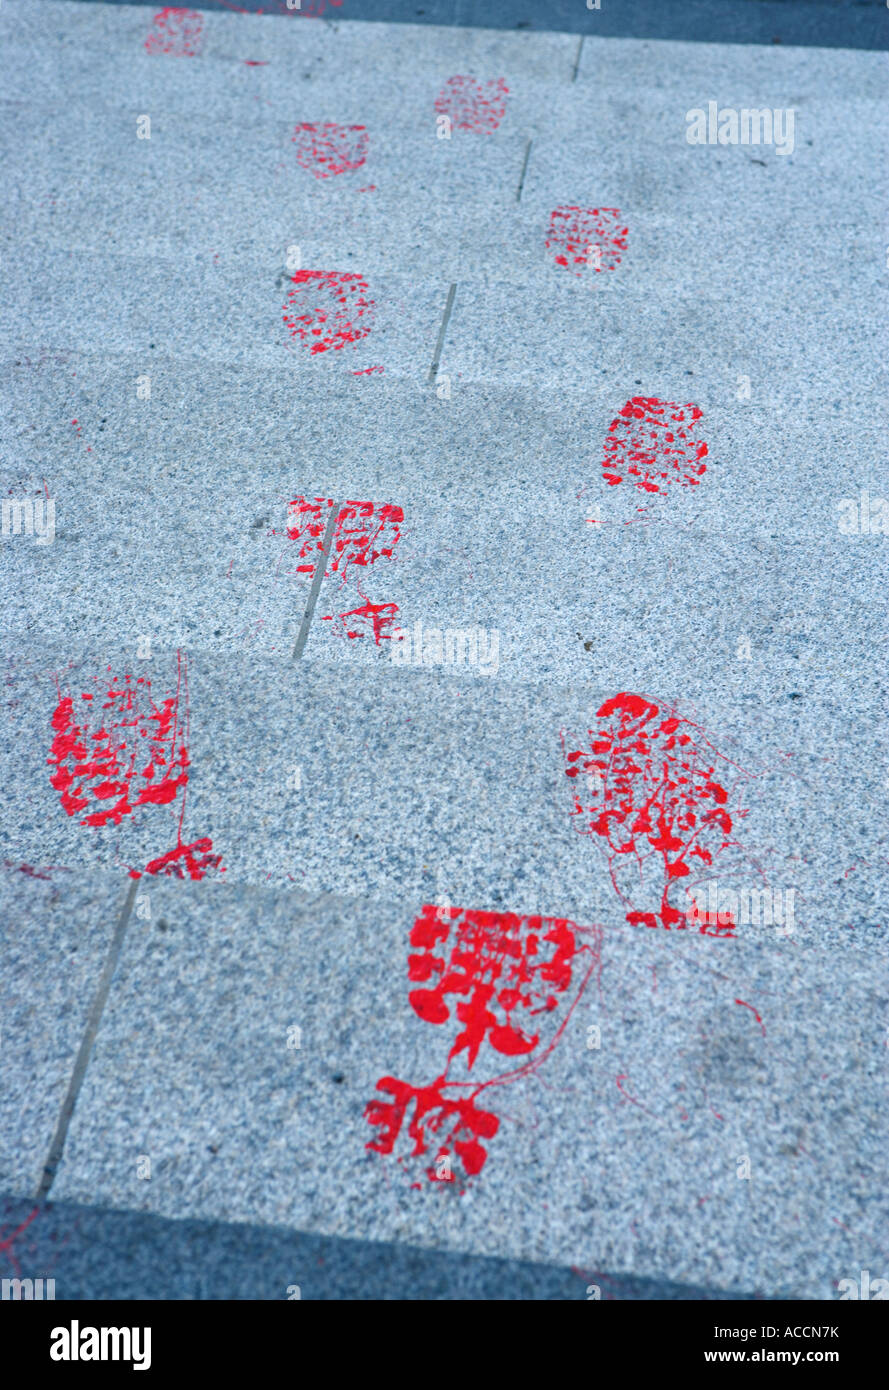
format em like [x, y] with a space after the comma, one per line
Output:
[347, 65]
[57, 927]
[478, 444]
[248, 200]
[192, 1070]
[496, 333]
[581, 581]
[330, 796]
[410, 781]
[124, 304]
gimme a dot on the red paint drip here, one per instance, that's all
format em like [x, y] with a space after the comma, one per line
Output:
[126, 753]
[471, 105]
[647, 786]
[654, 443]
[373, 618]
[755, 1014]
[624, 1076]
[497, 978]
[328, 309]
[177, 32]
[330, 149]
[582, 239]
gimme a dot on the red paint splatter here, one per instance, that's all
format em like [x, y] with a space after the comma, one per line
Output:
[177, 33]
[306, 523]
[114, 757]
[648, 787]
[47, 355]
[654, 443]
[330, 149]
[755, 1014]
[255, 63]
[328, 309]
[78, 430]
[583, 239]
[364, 532]
[471, 105]
[379, 616]
[497, 978]
[368, 371]
[370, 188]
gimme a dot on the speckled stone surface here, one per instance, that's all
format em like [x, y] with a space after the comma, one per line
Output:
[409, 781]
[57, 926]
[710, 1052]
[725, 1133]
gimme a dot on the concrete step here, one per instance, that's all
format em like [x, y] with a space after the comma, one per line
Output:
[203, 990]
[692, 1122]
[100, 1253]
[837, 24]
[387, 780]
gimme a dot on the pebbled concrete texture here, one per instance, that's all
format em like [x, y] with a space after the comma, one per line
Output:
[519, 533]
[193, 1070]
[57, 928]
[412, 782]
[153, 392]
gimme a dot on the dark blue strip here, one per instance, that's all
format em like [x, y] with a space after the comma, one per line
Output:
[821, 23]
[93, 1253]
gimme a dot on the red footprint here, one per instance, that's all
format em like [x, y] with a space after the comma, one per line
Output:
[120, 751]
[583, 239]
[364, 532]
[654, 443]
[651, 786]
[330, 149]
[497, 978]
[328, 309]
[655, 791]
[471, 105]
[176, 32]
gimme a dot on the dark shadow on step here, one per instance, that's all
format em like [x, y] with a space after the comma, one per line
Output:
[93, 1253]
[823, 23]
